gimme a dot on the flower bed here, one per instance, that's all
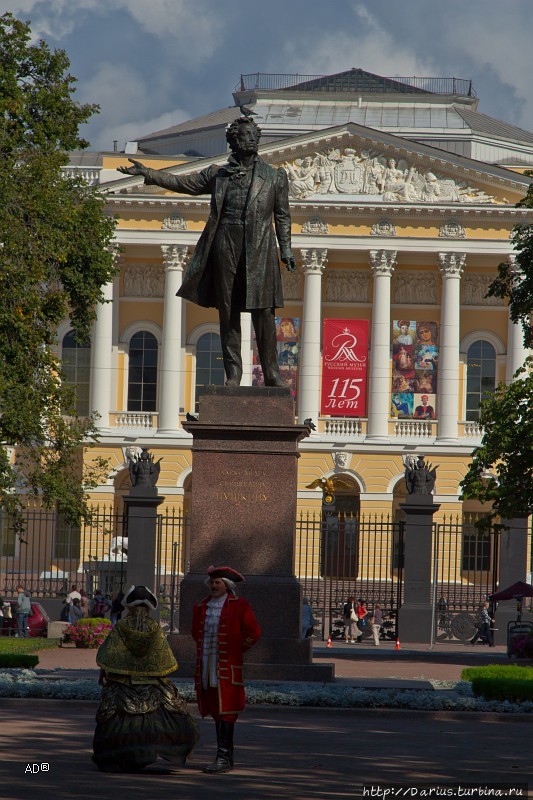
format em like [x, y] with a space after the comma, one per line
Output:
[29, 684]
[89, 633]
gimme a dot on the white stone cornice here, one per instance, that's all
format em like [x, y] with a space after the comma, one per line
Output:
[340, 244]
[174, 256]
[452, 264]
[341, 206]
[382, 262]
[314, 260]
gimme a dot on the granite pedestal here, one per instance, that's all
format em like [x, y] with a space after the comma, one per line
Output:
[243, 514]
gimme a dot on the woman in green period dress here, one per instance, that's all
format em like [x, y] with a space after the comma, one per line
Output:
[141, 715]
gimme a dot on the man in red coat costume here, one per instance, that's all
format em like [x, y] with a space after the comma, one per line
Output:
[223, 627]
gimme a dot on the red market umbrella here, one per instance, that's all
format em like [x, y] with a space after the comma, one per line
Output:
[514, 592]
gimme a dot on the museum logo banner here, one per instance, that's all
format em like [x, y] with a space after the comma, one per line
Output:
[415, 359]
[344, 367]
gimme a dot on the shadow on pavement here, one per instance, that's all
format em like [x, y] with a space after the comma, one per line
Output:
[280, 753]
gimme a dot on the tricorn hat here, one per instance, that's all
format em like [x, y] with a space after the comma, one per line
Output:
[225, 572]
[139, 596]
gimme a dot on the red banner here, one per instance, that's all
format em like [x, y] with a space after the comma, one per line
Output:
[344, 365]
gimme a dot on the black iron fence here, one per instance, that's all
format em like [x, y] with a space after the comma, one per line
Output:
[465, 572]
[50, 555]
[337, 554]
[355, 81]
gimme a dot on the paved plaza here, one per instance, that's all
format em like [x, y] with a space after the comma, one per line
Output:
[282, 752]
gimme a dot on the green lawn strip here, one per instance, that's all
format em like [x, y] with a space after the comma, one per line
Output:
[511, 682]
[9, 644]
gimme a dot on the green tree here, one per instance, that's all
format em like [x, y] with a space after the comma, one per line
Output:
[515, 281]
[55, 256]
[501, 472]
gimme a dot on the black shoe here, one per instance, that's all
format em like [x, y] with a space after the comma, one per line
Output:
[224, 758]
[222, 762]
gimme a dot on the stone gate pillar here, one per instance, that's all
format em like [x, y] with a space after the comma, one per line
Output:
[141, 506]
[415, 615]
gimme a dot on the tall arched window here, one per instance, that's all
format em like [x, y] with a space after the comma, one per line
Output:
[209, 364]
[76, 365]
[142, 373]
[480, 376]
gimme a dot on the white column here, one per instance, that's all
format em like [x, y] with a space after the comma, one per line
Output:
[451, 266]
[246, 349]
[313, 266]
[382, 263]
[174, 260]
[516, 351]
[102, 358]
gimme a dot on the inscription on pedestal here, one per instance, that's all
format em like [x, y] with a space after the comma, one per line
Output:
[241, 485]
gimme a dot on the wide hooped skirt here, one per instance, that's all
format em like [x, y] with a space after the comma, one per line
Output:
[137, 723]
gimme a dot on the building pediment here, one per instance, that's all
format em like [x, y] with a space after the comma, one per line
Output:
[351, 163]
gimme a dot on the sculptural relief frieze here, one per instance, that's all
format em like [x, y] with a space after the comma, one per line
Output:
[474, 288]
[373, 174]
[144, 280]
[292, 285]
[415, 287]
[348, 286]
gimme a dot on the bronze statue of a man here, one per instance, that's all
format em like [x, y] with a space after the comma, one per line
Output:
[235, 264]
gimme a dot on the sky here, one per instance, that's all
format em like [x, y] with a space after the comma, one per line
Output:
[150, 64]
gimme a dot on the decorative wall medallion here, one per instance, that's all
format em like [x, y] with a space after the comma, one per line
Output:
[383, 228]
[174, 223]
[315, 225]
[341, 459]
[452, 230]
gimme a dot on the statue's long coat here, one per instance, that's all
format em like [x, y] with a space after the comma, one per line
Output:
[237, 632]
[268, 199]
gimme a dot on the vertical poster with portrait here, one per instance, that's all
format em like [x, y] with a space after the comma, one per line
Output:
[288, 341]
[415, 358]
[344, 367]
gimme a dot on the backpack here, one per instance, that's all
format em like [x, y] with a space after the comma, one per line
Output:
[65, 613]
[99, 607]
[25, 606]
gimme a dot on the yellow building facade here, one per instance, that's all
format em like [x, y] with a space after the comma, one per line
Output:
[390, 224]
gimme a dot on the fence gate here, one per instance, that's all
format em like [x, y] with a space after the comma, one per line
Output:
[465, 572]
[342, 553]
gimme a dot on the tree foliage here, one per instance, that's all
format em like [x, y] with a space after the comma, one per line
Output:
[515, 280]
[55, 256]
[501, 472]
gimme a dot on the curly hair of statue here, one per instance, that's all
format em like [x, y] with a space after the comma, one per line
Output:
[233, 129]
